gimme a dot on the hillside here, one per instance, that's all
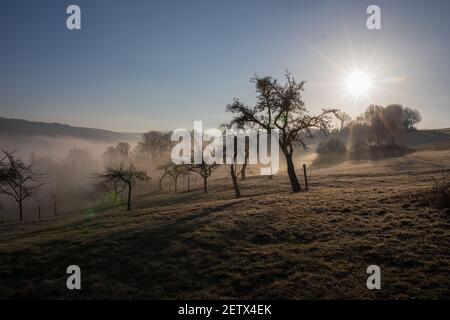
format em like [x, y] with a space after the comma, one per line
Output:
[24, 128]
[55, 139]
[269, 244]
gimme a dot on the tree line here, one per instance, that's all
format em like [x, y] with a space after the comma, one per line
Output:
[376, 128]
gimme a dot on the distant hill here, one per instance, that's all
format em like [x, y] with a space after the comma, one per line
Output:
[56, 139]
[427, 139]
[24, 128]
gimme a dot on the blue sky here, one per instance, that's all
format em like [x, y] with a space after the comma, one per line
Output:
[138, 65]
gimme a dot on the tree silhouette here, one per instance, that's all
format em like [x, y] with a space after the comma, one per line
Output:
[410, 118]
[174, 171]
[385, 124]
[18, 180]
[242, 172]
[393, 116]
[3, 170]
[344, 119]
[233, 161]
[117, 154]
[204, 170]
[280, 106]
[128, 175]
[154, 144]
[153, 151]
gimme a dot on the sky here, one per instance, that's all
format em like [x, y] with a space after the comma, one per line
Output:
[139, 65]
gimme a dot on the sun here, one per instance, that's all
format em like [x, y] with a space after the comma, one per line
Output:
[358, 83]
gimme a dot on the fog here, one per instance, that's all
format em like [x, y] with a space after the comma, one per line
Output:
[67, 168]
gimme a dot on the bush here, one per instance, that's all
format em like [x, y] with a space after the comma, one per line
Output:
[438, 195]
[440, 192]
[359, 146]
[331, 146]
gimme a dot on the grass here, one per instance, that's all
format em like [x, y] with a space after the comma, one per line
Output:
[270, 244]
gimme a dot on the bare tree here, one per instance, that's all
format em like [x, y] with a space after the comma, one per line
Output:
[112, 189]
[233, 169]
[3, 170]
[174, 171]
[204, 170]
[3, 173]
[344, 119]
[153, 151]
[392, 116]
[18, 180]
[128, 175]
[410, 118]
[385, 124]
[154, 144]
[246, 157]
[374, 119]
[280, 106]
[117, 154]
[234, 172]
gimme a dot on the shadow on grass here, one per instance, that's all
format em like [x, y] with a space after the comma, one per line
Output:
[152, 262]
[370, 154]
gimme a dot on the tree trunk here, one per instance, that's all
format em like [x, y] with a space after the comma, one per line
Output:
[205, 187]
[188, 180]
[247, 153]
[306, 177]
[129, 197]
[237, 192]
[176, 183]
[20, 211]
[296, 187]
[244, 167]
[116, 193]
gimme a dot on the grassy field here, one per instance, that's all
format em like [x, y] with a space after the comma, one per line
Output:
[269, 244]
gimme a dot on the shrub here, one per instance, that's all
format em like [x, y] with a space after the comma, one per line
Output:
[440, 192]
[438, 195]
[359, 146]
[331, 146]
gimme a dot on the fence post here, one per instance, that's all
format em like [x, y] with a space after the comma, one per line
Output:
[306, 177]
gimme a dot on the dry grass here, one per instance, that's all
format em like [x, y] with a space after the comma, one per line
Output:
[269, 244]
[439, 194]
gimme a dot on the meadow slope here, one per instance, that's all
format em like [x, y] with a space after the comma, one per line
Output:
[269, 244]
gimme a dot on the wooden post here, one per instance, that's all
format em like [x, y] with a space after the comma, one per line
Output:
[306, 177]
[189, 182]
